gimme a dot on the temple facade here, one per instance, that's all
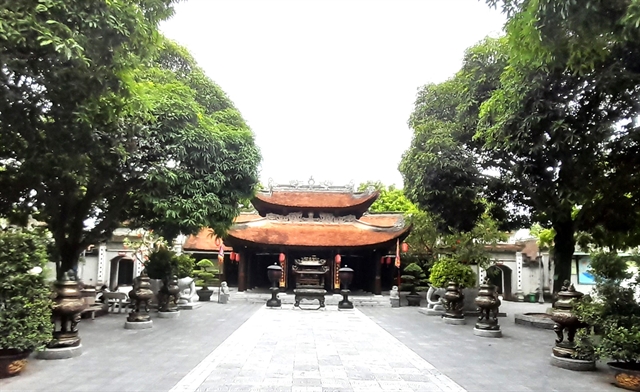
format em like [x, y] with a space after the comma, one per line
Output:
[307, 220]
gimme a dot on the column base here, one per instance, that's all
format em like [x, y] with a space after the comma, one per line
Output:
[572, 364]
[487, 333]
[60, 353]
[138, 324]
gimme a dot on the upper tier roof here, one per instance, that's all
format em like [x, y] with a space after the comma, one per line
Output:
[285, 201]
[298, 196]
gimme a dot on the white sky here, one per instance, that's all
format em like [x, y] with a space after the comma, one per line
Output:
[328, 86]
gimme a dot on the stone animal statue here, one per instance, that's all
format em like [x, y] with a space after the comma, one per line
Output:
[187, 290]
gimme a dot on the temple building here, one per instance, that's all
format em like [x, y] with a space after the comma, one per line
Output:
[308, 220]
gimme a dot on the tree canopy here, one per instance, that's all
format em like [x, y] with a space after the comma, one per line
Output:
[537, 128]
[103, 121]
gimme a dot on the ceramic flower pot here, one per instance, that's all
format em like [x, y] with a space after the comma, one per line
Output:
[12, 362]
[627, 375]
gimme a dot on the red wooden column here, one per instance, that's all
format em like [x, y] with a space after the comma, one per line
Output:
[242, 271]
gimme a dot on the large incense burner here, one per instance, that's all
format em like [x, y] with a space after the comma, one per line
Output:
[310, 273]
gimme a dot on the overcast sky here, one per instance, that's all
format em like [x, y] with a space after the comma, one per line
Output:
[328, 86]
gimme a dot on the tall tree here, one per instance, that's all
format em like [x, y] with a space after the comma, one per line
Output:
[96, 126]
[540, 137]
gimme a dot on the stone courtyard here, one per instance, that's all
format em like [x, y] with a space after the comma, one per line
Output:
[244, 346]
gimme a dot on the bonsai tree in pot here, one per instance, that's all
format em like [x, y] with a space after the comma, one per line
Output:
[413, 280]
[612, 309]
[206, 273]
[25, 304]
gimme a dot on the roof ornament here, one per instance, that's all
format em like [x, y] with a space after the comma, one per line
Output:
[326, 184]
[351, 185]
[311, 182]
[370, 189]
[295, 183]
[270, 185]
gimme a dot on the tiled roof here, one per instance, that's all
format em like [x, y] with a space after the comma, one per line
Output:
[314, 234]
[317, 199]
[369, 230]
[205, 240]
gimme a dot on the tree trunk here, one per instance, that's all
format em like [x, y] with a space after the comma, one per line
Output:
[564, 246]
[69, 256]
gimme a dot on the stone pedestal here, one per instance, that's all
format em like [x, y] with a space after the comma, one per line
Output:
[572, 364]
[60, 353]
[189, 306]
[138, 324]
[487, 333]
[169, 314]
[274, 301]
[345, 303]
[395, 302]
[454, 321]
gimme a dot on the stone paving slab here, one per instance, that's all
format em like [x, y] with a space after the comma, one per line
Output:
[326, 350]
[519, 361]
[118, 359]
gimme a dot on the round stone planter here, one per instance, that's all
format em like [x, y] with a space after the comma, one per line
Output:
[12, 362]
[138, 324]
[204, 295]
[627, 375]
[413, 299]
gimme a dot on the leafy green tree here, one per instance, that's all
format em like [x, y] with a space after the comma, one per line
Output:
[104, 121]
[527, 137]
[391, 199]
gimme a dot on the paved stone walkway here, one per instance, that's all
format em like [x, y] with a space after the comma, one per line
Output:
[328, 350]
[246, 347]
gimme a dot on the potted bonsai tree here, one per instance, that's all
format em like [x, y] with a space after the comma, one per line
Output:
[206, 273]
[25, 304]
[413, 280]
[612, 309]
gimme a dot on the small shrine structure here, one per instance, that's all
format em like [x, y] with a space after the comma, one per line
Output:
[299, 220]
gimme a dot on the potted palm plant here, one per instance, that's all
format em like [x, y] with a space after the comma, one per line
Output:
[413, 280]
[206, 273]
[25, 304]
[612, 309]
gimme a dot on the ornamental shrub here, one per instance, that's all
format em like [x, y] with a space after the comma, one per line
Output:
[447, 269]
[206, 273]
[25, 304]
[164, 263]
[612, 310]
[414, 279]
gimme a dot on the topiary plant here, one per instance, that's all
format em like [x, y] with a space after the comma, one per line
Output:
[25, 304]
[447, 269]
[414, 279]
[207, 271]
[612, 310]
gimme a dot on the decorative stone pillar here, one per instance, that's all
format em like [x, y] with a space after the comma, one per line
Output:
[67, 308]
[102, 263]
[566, 324]
[141, 294]
[488, 304]
[519, 292]
[453, 304]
